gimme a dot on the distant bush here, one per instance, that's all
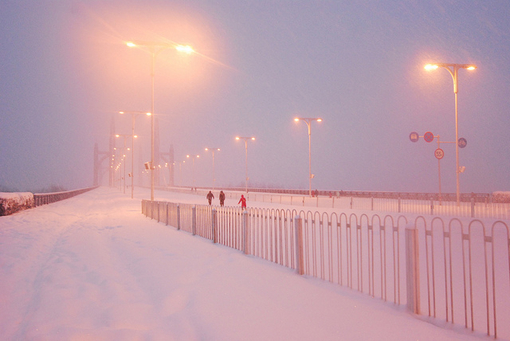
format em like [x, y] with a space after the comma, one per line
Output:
[501, 196]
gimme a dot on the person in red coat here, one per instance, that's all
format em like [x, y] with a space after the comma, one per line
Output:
[242, 201]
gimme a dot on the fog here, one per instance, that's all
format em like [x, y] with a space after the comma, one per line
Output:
[66, 72]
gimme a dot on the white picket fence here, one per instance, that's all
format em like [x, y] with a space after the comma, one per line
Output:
[457, 270]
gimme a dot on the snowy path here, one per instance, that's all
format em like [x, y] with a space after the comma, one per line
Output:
[94, 268]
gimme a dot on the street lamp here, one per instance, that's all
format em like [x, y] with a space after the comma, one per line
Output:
[308, 122]
[453, 70]
[193, 168]
[214, 174]
[155, 48]
[124, 156]
[134, 114]
[245, 139]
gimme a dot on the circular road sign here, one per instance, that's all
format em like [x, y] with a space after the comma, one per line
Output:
[439, 153]
[414, 137]
[428, 137]
[462, 142]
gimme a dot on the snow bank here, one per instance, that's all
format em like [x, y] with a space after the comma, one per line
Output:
[14, 202]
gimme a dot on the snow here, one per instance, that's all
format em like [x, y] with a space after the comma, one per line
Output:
[13, 202]
[94, 268]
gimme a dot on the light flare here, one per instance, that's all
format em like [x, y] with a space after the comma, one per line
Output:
[184, 48]
[430, 67]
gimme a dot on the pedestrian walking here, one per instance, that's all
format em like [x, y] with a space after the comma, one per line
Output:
[242, 201]
[222, 198]
[210, 197]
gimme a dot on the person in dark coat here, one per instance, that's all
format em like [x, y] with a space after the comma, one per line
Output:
[222, 198]
[210, 197]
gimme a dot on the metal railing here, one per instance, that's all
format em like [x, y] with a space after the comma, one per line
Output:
[48, 198]
[462, 266]
[473, 206]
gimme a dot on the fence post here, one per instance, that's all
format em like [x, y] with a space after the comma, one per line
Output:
[431, 206]
[372, 203]
[178, 217]
[214, 225]
[298, 231]
[194, 220]
[166, 219]
[412, 270]
[245, 232]
[159, 211]
[351, 203]
[399, 205]
[472, 207]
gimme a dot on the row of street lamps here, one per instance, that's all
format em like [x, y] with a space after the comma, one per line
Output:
[308, 122]
[156, 47]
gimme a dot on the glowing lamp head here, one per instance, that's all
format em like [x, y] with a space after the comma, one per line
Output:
[184, 48]
[471, 67]
[296, 119]
[253, 139]
[319, 120]
[430, 67]
[117, 135]
[237, 138]
[131, 44]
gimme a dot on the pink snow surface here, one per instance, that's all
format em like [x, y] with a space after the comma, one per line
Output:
[94, 268]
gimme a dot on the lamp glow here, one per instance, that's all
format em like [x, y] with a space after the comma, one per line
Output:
[184, 48]
[431, 67]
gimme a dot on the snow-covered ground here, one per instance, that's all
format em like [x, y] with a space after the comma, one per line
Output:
[94, 268]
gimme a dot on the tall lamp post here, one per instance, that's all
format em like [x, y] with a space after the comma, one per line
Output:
[134, 114]
[453, 70]
[214, 173]
[193, 169]
[124, 158]
[308, 122]
[155, 48]
[245, 139]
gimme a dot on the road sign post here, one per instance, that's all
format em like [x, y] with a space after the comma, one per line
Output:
[438, 153]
